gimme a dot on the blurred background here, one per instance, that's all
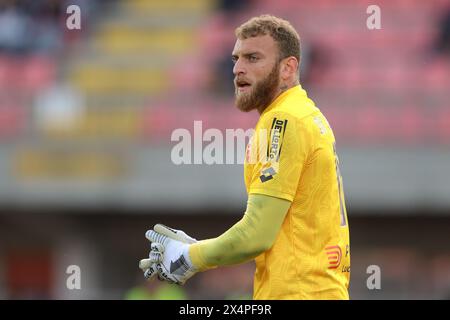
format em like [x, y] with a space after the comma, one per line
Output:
[86, 118]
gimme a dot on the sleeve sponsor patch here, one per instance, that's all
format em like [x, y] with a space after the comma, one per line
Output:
[275, 145]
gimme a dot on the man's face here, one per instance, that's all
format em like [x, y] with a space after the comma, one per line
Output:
[256, 71]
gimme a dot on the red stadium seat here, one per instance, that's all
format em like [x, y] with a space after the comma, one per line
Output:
[37, 73]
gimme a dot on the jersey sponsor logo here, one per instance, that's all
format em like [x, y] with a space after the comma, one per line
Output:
[334, 254]
[267, 174]
[277, 131]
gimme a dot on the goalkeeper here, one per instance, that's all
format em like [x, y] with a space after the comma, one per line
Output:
[295, 225]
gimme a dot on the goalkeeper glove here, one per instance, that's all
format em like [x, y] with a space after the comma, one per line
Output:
[149, 265]
[174, 233]
[174, 264]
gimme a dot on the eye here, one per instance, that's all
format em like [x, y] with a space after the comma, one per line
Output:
[253, 58]
[234, 59]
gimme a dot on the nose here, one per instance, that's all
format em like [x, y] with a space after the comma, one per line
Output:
[238, 68]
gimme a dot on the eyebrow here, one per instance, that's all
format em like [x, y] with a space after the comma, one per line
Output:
[246, 55]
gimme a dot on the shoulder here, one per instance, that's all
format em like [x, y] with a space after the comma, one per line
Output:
[299, 116]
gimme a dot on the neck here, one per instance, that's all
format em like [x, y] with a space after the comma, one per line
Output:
[282, 88]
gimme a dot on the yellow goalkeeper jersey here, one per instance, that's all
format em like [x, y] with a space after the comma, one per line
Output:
[292, 156]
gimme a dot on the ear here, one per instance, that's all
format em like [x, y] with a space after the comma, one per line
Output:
[289, 68]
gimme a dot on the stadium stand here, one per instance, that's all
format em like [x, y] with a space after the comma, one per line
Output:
[370, 74]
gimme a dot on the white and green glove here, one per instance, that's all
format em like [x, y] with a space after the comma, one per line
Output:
[169, 255]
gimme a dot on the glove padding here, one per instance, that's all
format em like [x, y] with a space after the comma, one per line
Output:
[149, 265]
[169, 255]
[174, 233]
[176, 266]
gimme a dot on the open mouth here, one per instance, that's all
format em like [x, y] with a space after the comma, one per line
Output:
[242, 84]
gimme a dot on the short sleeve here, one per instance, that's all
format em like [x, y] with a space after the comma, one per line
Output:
[282, 144]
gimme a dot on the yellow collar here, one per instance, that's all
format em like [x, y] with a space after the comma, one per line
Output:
[296, 89]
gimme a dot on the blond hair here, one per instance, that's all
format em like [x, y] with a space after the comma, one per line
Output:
[280, 30]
